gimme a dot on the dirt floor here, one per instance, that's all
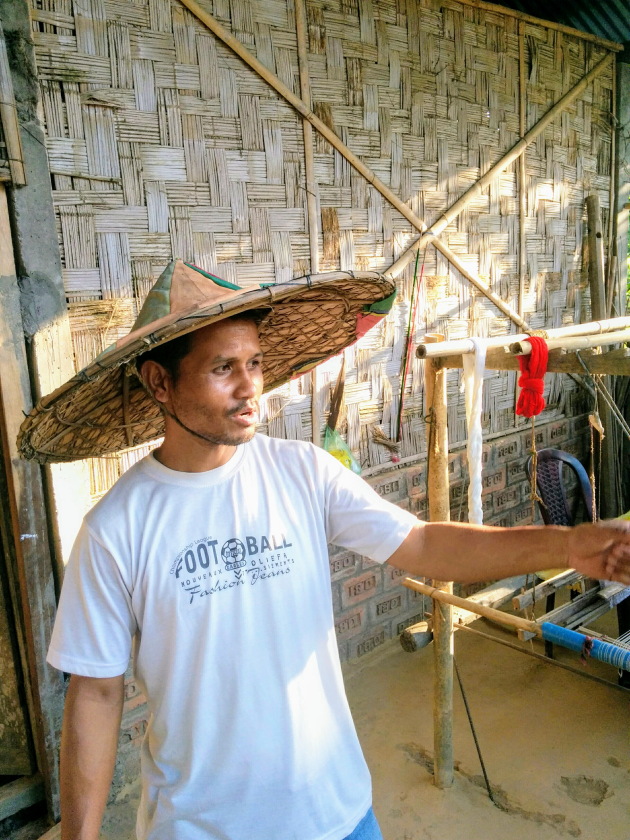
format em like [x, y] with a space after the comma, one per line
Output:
[556, 746]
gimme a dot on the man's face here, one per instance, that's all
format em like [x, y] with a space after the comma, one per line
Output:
[219, 383]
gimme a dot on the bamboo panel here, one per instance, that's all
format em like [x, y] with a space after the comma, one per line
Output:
[163, 142]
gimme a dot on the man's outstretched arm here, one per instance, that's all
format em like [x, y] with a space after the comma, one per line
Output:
[89, 740]
[468, 553]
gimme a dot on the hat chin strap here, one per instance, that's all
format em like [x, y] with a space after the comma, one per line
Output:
[200, 435]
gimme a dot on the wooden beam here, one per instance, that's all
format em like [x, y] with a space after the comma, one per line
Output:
[608, 498]
[547, 24]
[617, 362]
[541, 590]
[35, 579]
[439, 511]
[20, 794]
[9, 120]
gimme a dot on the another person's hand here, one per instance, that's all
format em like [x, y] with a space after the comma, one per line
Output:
[601, 550]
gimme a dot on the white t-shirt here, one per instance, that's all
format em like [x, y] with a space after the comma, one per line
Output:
[223, 579]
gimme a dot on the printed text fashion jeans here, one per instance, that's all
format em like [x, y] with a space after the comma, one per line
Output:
[367, 829]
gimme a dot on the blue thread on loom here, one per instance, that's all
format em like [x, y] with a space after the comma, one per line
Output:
[602, 651]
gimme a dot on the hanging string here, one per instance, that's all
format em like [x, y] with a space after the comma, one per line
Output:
[413, 308]
[531, 401]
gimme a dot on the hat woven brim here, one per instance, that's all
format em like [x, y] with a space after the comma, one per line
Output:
[104, 408]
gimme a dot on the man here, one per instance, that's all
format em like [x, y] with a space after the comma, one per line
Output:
[210, 555]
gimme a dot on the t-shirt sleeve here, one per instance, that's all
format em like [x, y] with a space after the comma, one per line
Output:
[357, 518]
[95, 623]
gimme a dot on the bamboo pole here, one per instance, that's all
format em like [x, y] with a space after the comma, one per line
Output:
[615, 363]
[577, 342]
[237, 47]
[439, 511]
[611, 266]
[466, 345]
[607, 474]
[448, 598]
[500, 166]
[311, 189]
[596, 257]
[522, 170]
[548, 24]
[9, 119]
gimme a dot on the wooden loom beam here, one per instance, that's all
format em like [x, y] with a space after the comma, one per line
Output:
[616, 363]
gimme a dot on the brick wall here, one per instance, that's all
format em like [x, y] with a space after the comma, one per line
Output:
[370, 603]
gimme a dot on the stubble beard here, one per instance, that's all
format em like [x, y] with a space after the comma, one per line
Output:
[220, 439]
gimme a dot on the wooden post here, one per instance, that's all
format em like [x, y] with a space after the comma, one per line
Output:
[522, 170]
[34, 581]
[9, 120]
[607, 477]
[439, 511]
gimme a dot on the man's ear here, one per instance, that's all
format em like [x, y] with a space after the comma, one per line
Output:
[157, 379]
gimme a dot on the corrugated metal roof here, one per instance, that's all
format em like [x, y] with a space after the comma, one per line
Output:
[608, 19]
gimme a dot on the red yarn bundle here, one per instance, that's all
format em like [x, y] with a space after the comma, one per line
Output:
[532, 378]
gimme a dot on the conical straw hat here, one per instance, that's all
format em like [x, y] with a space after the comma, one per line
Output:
[104, 408]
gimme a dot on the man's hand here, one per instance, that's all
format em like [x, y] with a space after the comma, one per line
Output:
[602, 550]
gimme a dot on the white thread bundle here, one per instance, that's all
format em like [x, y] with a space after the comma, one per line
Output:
[474, 367]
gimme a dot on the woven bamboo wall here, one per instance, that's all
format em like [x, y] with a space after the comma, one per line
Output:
[163, 143]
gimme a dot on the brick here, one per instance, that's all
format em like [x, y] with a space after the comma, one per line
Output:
[523, 515]
[558, 433]
[133, 696]
[385, 608]
[343, 564]
[506, 449]
[509, 498]
[516, 471]
[392, 577]
[132, 730]
[350, 624]
[359, 589]
[494, 481]
[579, 425]
[505, 520]
[456, 493]
[360, 647]
[392, 487]
[417, 480]
[454, 466]
[419, 506]
[541, 439]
